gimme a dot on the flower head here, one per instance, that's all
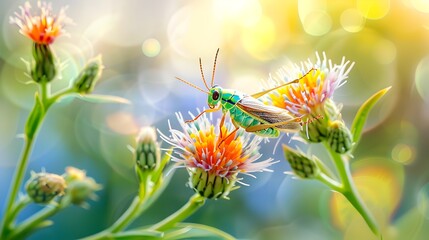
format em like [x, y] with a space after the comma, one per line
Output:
[312, 90]
[42, 28]
[214, 157]
[307, 98]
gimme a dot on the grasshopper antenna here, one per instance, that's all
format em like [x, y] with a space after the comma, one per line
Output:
[192, 85]
[202, 75]
[214, 67]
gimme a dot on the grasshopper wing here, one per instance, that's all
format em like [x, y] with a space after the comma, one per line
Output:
[269, 114]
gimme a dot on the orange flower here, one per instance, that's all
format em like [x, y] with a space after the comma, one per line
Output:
[306, 97]
[214, 160]
[43, 28]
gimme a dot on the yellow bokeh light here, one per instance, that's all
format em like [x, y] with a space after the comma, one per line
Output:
[352, 20]
[403, 153]
[384, 51]
[380, 185]
[317, 23]
[421, 5]
[243, 12]
[373, 9]
[151, 47]
[259, 38]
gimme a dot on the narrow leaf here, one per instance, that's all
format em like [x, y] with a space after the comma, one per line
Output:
[362, 114]
[137, 235]
[193, 230]
[94, 98]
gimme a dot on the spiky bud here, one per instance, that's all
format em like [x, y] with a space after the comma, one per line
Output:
[89, 76]
[80, 187]
[43, 187]
[148, 152]
[44, 69]
[339, 137]
[302, 165]
[211, 185]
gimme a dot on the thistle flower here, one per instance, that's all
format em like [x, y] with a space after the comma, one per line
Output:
[43, 187]
[42, 28]
[214, 157]
[306, 99]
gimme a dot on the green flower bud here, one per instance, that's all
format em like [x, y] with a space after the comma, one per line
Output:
[314, 127]
[302, 166]
[339, 137]
[210, 185]
[80, 187]
[44, 69]
[148, 152]
[43, 187]
[89, 76]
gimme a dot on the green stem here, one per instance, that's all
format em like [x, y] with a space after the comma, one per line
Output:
[16, 183]
[134, 210]
[22, 164]
[31, 223]
[350, 192]
[194, 203]
[22, 203]
[334, 185]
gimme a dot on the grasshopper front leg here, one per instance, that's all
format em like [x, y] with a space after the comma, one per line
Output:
[205, 111]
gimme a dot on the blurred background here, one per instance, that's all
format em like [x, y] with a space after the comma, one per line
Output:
[146, 44]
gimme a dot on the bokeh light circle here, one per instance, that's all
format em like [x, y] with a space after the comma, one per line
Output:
[421, 79]
[317, 23]
[351, 20]
[403, 153]
[259, 38]
[373, 9]
[151, 47]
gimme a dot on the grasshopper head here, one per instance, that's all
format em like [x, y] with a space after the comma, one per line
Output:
[214, 97]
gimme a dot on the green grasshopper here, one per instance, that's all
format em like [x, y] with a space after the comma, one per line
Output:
[246, 111]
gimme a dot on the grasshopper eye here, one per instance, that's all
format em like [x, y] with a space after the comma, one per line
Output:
[215, 95]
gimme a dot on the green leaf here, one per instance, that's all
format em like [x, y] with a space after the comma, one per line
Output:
[193, 230]
[95, 98]
[362, 115]
[137, 235]
[35, 117]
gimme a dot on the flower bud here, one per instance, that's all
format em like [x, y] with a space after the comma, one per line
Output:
[148, 153]
[210, 185]
[302, 166]
[89, 76]
[43, 187]
[339, 137]
[44, 69]
[80, 187]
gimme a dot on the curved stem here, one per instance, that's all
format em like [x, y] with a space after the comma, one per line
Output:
[194, 203]
[31, 223]
[133, 211]
[16, 183]
[334, 185]
[350, 192]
